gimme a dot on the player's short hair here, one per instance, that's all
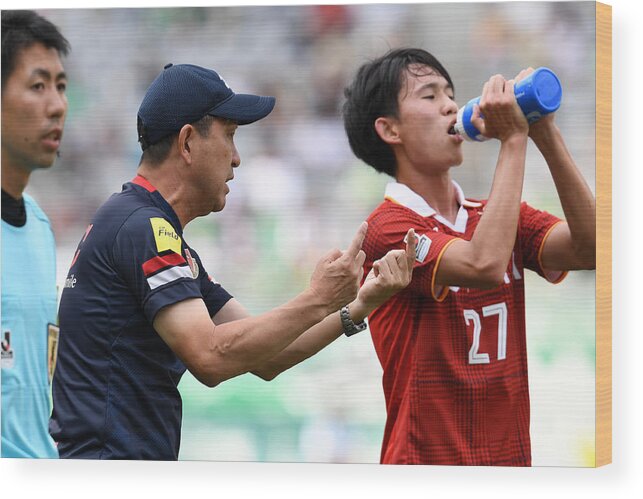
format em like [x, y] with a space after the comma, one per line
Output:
[23, 28]
[155, 154]
[374, 93]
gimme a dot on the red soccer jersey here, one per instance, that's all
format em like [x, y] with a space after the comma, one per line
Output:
[454, 359]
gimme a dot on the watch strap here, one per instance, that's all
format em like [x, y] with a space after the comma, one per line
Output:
[350, 328]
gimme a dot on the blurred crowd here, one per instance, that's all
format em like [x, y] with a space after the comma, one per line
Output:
[300, 191]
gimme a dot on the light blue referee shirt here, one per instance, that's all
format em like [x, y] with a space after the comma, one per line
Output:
[28, 307]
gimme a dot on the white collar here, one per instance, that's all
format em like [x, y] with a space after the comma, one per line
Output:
[403, 195]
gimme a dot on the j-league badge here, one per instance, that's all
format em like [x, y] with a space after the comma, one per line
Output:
[6, 352]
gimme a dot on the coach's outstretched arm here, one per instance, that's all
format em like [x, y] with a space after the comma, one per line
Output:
[214, 353]
[390, 274]
[571, 245]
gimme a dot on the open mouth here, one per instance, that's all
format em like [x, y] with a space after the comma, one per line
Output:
[54, 135]
[52, 139]
[453, 133]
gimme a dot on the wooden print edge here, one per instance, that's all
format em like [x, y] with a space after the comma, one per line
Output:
[604, 234]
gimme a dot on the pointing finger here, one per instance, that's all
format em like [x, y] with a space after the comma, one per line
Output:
[411, 244]
[356, 243]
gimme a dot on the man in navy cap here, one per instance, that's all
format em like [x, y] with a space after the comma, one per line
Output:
[138, 307]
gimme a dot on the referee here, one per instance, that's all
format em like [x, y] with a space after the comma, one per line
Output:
[34, 107]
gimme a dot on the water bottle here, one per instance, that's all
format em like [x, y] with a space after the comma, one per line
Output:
[537, 95]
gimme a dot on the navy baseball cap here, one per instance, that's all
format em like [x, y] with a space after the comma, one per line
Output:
[185, 93]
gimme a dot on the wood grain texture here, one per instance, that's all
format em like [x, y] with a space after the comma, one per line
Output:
[604, 234]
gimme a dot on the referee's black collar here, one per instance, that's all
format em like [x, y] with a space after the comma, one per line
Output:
[13, 210]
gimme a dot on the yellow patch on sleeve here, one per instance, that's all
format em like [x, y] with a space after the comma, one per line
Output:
[165, 236]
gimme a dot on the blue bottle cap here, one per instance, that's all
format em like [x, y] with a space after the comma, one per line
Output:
[548, 89]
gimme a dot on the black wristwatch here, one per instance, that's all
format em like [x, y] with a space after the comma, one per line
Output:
[350, 328]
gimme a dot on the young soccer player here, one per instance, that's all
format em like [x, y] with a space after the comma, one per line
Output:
[453, 344]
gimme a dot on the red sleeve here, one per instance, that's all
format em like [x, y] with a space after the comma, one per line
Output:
[535, 226]
[387, 227]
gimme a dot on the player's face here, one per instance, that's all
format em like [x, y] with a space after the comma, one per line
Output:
[34, 106]
[216, 158]
[427, 113]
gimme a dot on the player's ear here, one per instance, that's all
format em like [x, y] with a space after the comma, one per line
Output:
[186, 135]
[388, 130]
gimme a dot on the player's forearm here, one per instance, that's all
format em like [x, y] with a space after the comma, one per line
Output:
[495, 235]
[576, 198]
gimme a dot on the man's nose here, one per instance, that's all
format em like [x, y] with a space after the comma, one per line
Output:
[56, 104]
[236, 159]
[450, 107]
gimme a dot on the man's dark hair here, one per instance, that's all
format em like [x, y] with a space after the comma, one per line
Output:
[374, 93]
[20, 30]
[156, 153]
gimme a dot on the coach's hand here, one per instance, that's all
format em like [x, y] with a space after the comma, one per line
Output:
[389, 275]
[337, 275]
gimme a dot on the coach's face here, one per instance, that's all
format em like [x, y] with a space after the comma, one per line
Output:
[34, 106]
[215, 158]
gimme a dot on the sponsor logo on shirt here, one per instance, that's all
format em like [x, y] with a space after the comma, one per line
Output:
[194, 266]
[70, 282]
[165, 236]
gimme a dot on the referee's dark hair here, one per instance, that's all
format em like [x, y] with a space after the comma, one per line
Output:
[23, 28]
[374, 93]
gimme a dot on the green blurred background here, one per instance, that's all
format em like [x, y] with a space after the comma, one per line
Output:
[300, 192]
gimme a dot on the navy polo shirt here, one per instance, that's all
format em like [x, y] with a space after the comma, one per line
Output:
[115, 387]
